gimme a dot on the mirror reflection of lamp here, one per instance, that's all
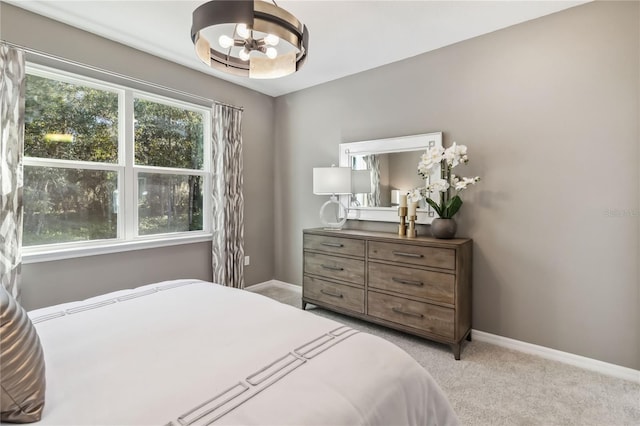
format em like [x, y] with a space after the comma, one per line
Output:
[360, 184]
[396, 196]
[332, 181]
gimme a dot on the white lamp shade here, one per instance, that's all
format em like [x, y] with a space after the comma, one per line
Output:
[280, 66]
[395, 196]
[331, 180]
[361, 182]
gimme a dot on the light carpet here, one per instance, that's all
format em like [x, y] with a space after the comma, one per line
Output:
[492, 385]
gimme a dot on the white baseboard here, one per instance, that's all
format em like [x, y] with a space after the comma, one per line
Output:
[556, 355]
[529, 348]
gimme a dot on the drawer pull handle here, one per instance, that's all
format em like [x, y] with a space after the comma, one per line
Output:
[333, 244]
[410, 314]
[332, 268]
[328, 293]
[403, 254]
[407, 282]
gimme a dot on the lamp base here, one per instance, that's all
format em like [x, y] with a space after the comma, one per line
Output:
[341, 211]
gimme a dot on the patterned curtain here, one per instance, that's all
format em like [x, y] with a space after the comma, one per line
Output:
[228, 201]
[373, 164]
[12, 86]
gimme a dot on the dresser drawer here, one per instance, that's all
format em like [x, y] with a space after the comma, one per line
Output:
[423, 316]
[334, 245]
[334, 294]
[436, 286]
[334, 267]
[414, 255]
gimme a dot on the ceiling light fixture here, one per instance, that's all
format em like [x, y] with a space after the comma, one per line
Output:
[254, 39]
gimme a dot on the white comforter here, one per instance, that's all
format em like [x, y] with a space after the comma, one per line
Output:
[189, 352]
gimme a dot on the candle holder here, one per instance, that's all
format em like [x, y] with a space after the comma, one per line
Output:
[411, 232]
[402, 228]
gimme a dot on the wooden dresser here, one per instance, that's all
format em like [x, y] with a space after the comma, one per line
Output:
[418, 285]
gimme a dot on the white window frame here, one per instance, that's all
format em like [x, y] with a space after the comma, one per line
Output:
[127, 230]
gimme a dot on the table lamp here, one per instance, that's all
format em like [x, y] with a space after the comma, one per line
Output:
[332, 181]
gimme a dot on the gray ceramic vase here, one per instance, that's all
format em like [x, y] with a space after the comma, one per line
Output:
[443, 228]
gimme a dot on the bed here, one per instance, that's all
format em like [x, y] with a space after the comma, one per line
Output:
[188, 352]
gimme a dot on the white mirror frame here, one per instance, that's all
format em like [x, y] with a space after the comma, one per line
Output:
[385, 146]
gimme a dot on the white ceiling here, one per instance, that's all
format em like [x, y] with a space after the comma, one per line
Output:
[345, 37]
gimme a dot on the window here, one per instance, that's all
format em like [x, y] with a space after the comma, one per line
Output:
[106, 165]
[169, 137]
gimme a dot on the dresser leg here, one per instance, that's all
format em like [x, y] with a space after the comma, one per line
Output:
[455, 347]
[304, 305]
[469, 336]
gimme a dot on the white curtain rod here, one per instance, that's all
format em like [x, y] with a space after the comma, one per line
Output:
[117, 75]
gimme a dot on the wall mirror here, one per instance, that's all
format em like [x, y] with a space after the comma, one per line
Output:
[393, 166]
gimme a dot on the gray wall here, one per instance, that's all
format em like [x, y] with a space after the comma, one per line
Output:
[549, 110]
[58, 281]
[49, 283]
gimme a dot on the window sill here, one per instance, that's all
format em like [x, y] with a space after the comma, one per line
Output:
[46, 255]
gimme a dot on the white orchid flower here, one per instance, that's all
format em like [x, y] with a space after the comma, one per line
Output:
[443, 181]
[429, 160]
[461, 150]
[473, 180]
[456, 154]
[440, 185]
[414, 195]
[450, 156]
[460, 185]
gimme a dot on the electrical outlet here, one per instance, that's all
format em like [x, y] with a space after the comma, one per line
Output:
[247, 261]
